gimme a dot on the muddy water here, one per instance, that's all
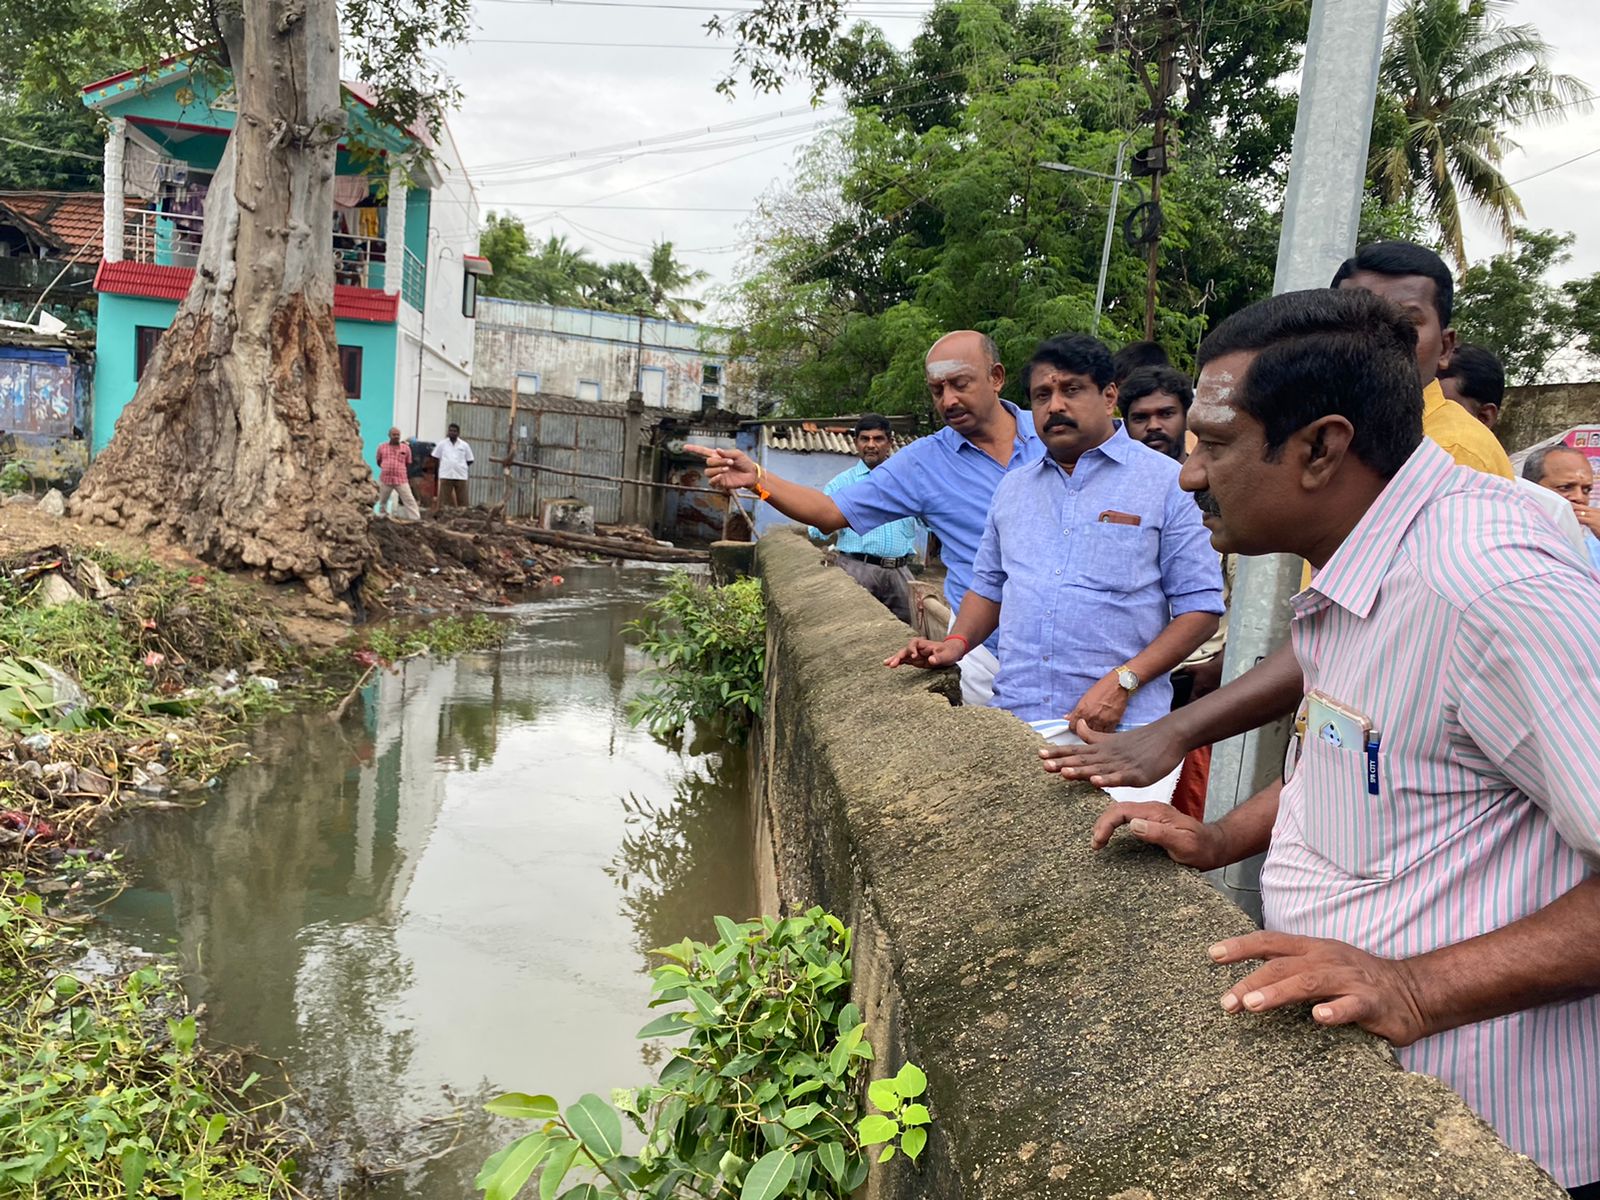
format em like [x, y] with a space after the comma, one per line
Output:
[451, 897]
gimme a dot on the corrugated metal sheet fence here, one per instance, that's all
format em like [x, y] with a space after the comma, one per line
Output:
[569, 440]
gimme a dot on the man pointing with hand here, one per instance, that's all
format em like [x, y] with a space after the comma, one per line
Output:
[945, 480]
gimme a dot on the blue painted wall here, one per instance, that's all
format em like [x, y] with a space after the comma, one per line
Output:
[115, 359]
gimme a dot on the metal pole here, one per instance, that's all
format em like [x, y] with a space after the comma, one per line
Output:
[1321, 213]
[1111, 228]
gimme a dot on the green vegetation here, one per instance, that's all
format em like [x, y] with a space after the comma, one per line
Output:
[105, 1089]
[554, 272]
[442, 638]
[710, 647]
[1510, 305]
[762, 1101]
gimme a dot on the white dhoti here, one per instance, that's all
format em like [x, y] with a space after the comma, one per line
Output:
[1059, 733]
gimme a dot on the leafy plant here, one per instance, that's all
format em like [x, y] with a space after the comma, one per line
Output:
[105, 1089]
[710, 646]
[762, 1101]
[14, 477]
[444, 637]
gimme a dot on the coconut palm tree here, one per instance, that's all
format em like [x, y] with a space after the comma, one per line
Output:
[1455, 78]
[667, 275]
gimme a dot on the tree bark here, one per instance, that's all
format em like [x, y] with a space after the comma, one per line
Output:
[239, 440]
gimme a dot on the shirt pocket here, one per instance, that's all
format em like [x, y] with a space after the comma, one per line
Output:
[1117, 559]
[1359, 833]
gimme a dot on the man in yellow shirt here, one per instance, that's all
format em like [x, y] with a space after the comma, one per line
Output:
[1416, 280]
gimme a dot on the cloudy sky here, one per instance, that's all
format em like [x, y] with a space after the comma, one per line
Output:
[599, 119]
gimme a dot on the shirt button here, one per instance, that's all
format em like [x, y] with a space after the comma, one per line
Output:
[1066, 533]
[1058, 570]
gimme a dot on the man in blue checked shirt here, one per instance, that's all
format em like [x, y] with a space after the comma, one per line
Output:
[945, 480]
[877, 560]
[1094, 565]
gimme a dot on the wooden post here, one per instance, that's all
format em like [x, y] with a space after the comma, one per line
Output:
[511, 450]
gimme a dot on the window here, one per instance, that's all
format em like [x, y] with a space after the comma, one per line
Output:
[350, 370]
[469, 294]
[711, 376]
[528, 383]
[588, 389]
[709, 402]
[145, 338]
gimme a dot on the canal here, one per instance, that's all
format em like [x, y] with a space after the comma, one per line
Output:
[450, 896]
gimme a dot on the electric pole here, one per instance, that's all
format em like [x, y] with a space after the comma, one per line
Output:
[1321, 214]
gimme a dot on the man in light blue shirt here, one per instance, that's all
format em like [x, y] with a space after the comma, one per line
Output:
[877, 560]
[1094, 563]
[945, 480]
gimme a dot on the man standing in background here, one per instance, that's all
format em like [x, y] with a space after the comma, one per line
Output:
[455, 460]
[394, 477]
[1566, 472]
[879, 559]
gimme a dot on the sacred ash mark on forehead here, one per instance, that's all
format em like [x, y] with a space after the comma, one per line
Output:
[1211, 405]
[945, 367]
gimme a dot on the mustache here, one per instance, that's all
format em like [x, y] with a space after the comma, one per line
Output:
[1155, 435]
[1207, 504]
[1060, 422]
[954, 411]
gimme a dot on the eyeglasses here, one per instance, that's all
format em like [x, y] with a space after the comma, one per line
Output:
[1297, 740]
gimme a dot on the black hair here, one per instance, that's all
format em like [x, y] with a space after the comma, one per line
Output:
[1075, 353]
[1135, 355]
[1404, 258]
[1147, 381]
[870, 421]
[1533, 465]
[1323, 353]
[1478, 373]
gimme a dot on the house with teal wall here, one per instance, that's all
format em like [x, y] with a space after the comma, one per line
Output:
[404, 232]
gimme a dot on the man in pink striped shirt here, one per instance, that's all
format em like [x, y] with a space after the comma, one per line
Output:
[1431, 869]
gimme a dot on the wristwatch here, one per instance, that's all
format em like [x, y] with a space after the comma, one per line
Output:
[1127, 680]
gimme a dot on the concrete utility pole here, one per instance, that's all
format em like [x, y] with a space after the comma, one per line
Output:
[1157, 161]
[1321, 214]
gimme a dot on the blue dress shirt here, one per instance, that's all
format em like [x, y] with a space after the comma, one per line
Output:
[897, 539]
[946, 482]
[1080, 595]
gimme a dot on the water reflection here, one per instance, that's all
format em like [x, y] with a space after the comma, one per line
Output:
[452, 895]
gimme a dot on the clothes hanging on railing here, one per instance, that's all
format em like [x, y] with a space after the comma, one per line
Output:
[350, 190]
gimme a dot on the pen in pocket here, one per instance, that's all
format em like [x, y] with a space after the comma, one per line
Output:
[1373, 740]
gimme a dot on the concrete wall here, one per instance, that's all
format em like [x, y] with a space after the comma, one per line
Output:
[1531, 414]
[1060, 1001]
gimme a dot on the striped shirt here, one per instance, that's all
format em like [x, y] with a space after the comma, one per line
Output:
[892, 539]
[1466, 632]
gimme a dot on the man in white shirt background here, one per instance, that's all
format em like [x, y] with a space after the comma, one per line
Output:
[455, 457]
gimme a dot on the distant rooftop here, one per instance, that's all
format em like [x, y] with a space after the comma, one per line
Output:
[821, 435]
[604, 326]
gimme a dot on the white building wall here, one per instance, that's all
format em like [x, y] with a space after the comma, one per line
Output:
[440, 342]
[576, 352]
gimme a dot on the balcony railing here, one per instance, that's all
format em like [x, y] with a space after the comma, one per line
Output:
[173, 240]
[413, 281]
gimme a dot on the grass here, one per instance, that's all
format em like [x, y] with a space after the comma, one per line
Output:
[105, 1089]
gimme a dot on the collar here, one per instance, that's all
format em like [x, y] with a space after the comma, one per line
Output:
[1433, 397]
[1356, 571]
[1026, 434]
[1119, 448]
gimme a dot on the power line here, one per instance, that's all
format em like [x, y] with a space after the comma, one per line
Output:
[1557, 167]
[56, 150]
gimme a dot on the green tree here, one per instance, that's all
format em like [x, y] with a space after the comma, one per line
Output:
[668, 277]
[554, 273]
[1454, 78]
[1510, 305]
[239, 440]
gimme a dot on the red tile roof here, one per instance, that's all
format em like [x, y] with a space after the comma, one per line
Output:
[75, 219]
[172, 283]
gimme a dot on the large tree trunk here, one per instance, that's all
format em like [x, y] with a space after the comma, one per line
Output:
[239, 439]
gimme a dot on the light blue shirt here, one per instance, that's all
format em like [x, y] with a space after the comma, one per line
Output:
[897, 539]
[1080, 595]
[945, 482]
[1592, 545]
